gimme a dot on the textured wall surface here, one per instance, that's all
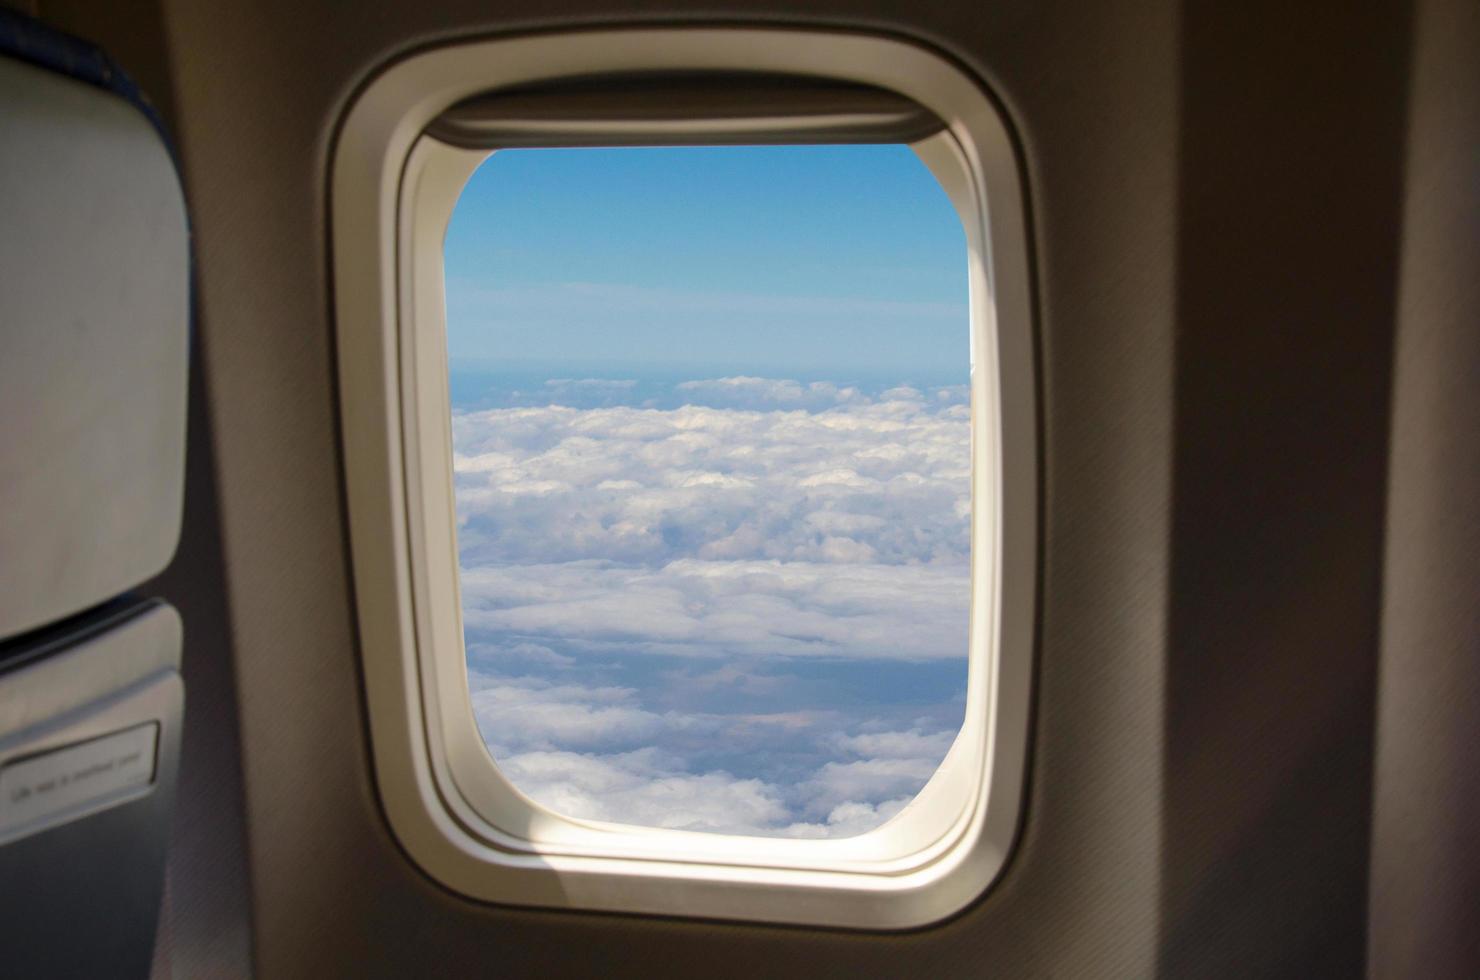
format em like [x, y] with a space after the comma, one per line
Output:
[1093, 89]
[1289, 219]
[1425, 875]
[1219, 212]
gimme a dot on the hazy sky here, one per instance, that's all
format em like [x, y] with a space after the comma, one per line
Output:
[711, 435]
[760, 260]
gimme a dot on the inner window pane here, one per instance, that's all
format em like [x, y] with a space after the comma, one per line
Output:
[711, 432]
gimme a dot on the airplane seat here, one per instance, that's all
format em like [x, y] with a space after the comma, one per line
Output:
[94, 338]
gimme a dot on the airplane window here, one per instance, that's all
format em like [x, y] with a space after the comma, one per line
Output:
[688, 408]
[711, 433]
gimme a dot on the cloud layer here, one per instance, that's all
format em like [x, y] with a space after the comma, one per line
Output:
[637, 576]
[596, 753]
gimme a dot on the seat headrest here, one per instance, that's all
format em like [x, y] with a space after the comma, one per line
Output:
[94, 331]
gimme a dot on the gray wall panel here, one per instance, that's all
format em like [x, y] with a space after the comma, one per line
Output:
[1094, 86]
[1215, 198]
[1291, 171]
[1425, 875]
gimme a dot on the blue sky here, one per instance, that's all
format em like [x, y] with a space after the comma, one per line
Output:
[711, 439]
[763, 260]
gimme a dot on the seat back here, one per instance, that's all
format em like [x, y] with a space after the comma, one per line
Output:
[94, 338]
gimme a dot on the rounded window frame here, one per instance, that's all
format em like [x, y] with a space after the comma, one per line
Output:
[392, 193]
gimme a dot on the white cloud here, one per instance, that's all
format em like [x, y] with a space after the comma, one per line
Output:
[765, 520]
[837, 783]
[913, 744]
[528, 654]
[594, 753]
[849, 819]
[646, 788]
[524, 713]
[643, 788]
[727, 608]
[903, 393]
[767, 389]
[710, 526]
[769, 393]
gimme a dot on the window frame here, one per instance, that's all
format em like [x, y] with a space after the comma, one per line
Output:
[393, 191]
